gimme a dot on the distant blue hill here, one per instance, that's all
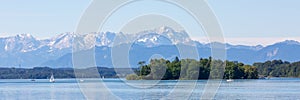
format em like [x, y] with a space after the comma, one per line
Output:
[282, 50]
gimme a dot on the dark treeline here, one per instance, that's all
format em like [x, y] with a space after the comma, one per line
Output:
[187, 69]
[45, 73]
[166, 70]
[279, 68]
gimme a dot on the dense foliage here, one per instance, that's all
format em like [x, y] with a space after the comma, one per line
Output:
[45, 73]
[278, 68]
[192, 69]
[166, 70]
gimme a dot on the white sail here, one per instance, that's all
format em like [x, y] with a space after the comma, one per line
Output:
[52, 79]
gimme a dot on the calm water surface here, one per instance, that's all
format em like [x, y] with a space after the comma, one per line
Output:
[62, 89]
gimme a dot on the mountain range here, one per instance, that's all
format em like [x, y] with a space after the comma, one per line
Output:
[26, 51]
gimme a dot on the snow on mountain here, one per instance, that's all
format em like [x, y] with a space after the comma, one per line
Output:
[272, 53]
[175, 36]
[163, 36]
[153, 39]
[27, 50]
[61, 41]
[105, 39]
[20, 43]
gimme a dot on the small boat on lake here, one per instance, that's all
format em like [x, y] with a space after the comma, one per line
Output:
[81, 80]
[229, 80]
[52, 79]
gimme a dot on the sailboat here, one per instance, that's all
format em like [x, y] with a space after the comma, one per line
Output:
[229, 80]
[52, 79]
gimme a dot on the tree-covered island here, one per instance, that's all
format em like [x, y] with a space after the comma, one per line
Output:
[190, 69]
[183, 69]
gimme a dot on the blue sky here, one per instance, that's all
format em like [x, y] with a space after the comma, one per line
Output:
[267, 21]
[40, 18]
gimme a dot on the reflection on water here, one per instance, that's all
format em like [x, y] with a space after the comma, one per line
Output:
[285, 88]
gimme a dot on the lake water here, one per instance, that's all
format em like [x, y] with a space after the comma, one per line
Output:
[65, 89]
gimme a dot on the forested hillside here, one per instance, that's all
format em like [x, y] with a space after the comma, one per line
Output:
[279, 68]
[193, 69]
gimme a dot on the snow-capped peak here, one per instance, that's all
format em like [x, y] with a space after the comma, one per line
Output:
[165, 29]
[164, 34]
[151, 40]
[24, 36]
[21, 42]
[61, 41]
[105, 39]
